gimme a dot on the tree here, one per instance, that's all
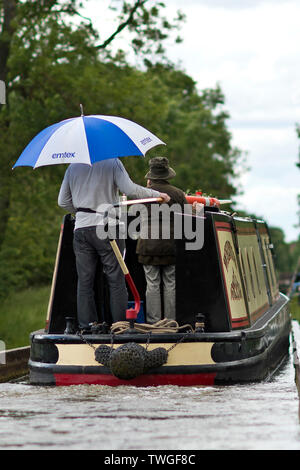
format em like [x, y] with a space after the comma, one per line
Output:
[148, 29]
[284, 262]
[39, 44]
[50, 65]
[54, 65]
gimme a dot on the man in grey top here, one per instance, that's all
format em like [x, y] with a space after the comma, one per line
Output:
[94, 188]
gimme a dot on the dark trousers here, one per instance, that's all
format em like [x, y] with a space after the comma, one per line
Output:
[87, 248]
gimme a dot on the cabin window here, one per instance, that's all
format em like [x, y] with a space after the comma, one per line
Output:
[251, 276]
[256, 272]
[273, 280]
[244, 275]
[267, 259]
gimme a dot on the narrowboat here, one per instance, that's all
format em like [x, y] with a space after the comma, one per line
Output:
[232, 323]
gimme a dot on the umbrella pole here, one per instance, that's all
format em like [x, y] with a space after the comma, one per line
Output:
[131, 313]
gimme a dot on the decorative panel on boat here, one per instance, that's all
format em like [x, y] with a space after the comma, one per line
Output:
[252, 268]
[233, 286]
[268, 261]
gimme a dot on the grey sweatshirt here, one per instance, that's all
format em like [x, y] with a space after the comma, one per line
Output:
[96, 187]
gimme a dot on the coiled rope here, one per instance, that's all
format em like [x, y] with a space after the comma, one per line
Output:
[162, 326]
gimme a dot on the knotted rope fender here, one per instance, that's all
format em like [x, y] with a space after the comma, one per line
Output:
[131, 359]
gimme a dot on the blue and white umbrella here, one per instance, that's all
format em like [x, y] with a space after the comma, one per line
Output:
[87, 139]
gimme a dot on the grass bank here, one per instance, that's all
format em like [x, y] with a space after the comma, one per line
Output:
[21, 313]
[295, 308]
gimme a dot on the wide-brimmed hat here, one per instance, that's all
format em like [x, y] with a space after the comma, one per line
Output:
[160, 169]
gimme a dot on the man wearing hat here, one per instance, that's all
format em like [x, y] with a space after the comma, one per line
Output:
[158, 255]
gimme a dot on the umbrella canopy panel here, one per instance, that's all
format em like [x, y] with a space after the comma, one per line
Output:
[87, 139]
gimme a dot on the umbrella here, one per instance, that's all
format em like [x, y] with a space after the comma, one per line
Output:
[87, 139]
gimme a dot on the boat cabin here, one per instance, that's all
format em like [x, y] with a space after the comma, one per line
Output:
[230, 280]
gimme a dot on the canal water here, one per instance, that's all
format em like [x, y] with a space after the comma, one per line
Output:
[259, 416]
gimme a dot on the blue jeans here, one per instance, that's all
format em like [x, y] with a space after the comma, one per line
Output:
[88, 248]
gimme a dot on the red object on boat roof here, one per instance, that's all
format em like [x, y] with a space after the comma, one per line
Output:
[207, 201]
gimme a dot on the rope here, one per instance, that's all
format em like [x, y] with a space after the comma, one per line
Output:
[162, 326]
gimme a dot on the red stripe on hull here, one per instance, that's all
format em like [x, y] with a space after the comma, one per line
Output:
[151, 380]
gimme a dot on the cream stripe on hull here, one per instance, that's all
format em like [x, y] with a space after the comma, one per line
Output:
[189, 354]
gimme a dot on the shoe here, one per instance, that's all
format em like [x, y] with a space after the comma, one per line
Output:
[85, 331]
[99, 328]
[95, 328]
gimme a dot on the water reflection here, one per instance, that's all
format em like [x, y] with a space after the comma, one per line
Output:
[256, 416]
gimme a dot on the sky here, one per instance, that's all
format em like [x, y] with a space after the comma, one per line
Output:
[251, 48]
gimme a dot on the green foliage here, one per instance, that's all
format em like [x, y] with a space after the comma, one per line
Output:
[285, 260]
[21, 313]
[29, 248]
[146, 27]
[295, 308]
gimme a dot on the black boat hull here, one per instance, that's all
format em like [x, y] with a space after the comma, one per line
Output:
[243, 356]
